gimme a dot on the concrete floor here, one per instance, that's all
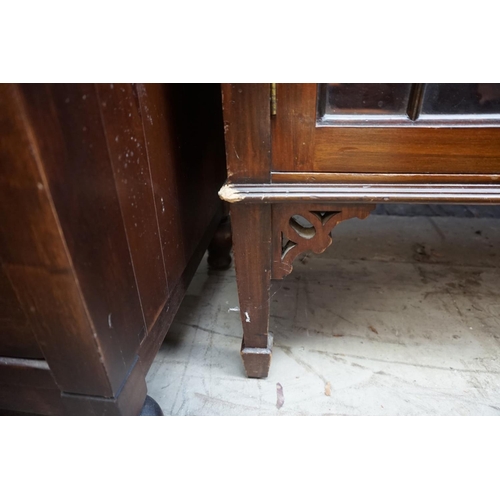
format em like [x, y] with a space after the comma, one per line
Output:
[400, 316]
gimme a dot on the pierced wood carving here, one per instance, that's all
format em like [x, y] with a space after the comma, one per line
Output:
[299, 228]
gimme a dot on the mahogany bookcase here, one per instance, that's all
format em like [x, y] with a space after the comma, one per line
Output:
[303, 157]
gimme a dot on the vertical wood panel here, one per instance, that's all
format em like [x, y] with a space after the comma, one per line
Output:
[57, 313]
[293, 127]
[247, 126]
[28, 229]
[16, 336]
[36, 262]
[69, 136]
[164, 156]
[125, 138]
[184, 134]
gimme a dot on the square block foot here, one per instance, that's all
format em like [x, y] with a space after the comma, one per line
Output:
[257, 360]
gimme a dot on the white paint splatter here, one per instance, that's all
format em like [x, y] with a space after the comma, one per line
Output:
[162, 206]
[247, 317]
[109, 321]
[235, 309]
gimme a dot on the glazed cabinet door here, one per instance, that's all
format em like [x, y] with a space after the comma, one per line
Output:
[387, 128]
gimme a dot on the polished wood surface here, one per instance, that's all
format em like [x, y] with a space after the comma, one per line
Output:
[301, 144]
[17, 337]
[407, 150]
[28, 386]
[119, 106]
[486, 194]
[247, 128]
[326, 174]
[69, 134]
[108, 200]
[36, 260]
[380, 178]
[293, 128]
[252, 260]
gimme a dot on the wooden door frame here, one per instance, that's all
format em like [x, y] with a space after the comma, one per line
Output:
[301, 144]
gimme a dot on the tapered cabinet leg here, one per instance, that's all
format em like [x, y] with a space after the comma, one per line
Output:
[252, 255]
[219, 250]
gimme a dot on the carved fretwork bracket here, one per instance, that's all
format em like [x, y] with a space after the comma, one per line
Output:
[306, 227]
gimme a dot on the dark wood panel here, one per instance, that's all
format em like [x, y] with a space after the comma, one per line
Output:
[28, 228]
[294, 127]
[252, 259]
[371, 178]
[163, 155]
[69, 136]
[247, 127]
[183, 129]
[35, 259]
[59, 319]
[125, 138]
[152, 343]
[27, 385]
[128, 401]
[16, 336]
[407, 150]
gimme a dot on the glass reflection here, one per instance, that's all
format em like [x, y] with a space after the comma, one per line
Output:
[367, 99]
[461, 99]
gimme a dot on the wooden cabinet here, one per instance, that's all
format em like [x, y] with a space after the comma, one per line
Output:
[108, 200]
[303, 157]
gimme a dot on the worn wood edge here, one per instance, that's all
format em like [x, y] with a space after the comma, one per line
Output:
[257, 360]
[380, 178]
[39, 364]
[154, 339]
[488, 194]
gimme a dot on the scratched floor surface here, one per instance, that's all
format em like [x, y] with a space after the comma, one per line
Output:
[400, 316]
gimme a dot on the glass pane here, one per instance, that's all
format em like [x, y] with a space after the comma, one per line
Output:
[366, 99]
[461, 99]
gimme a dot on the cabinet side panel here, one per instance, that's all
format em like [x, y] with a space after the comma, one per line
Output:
[71, 143]
[36, 263]
[184, 136]
[127, 149]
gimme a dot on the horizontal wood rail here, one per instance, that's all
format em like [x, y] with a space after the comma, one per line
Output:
[485, 194]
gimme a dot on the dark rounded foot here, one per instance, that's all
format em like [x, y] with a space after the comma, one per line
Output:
[219, 250]
[151, 408]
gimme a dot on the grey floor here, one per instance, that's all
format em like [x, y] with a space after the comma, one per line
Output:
[400, 316]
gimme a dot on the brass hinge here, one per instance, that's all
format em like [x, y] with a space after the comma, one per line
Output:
[273, 99]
